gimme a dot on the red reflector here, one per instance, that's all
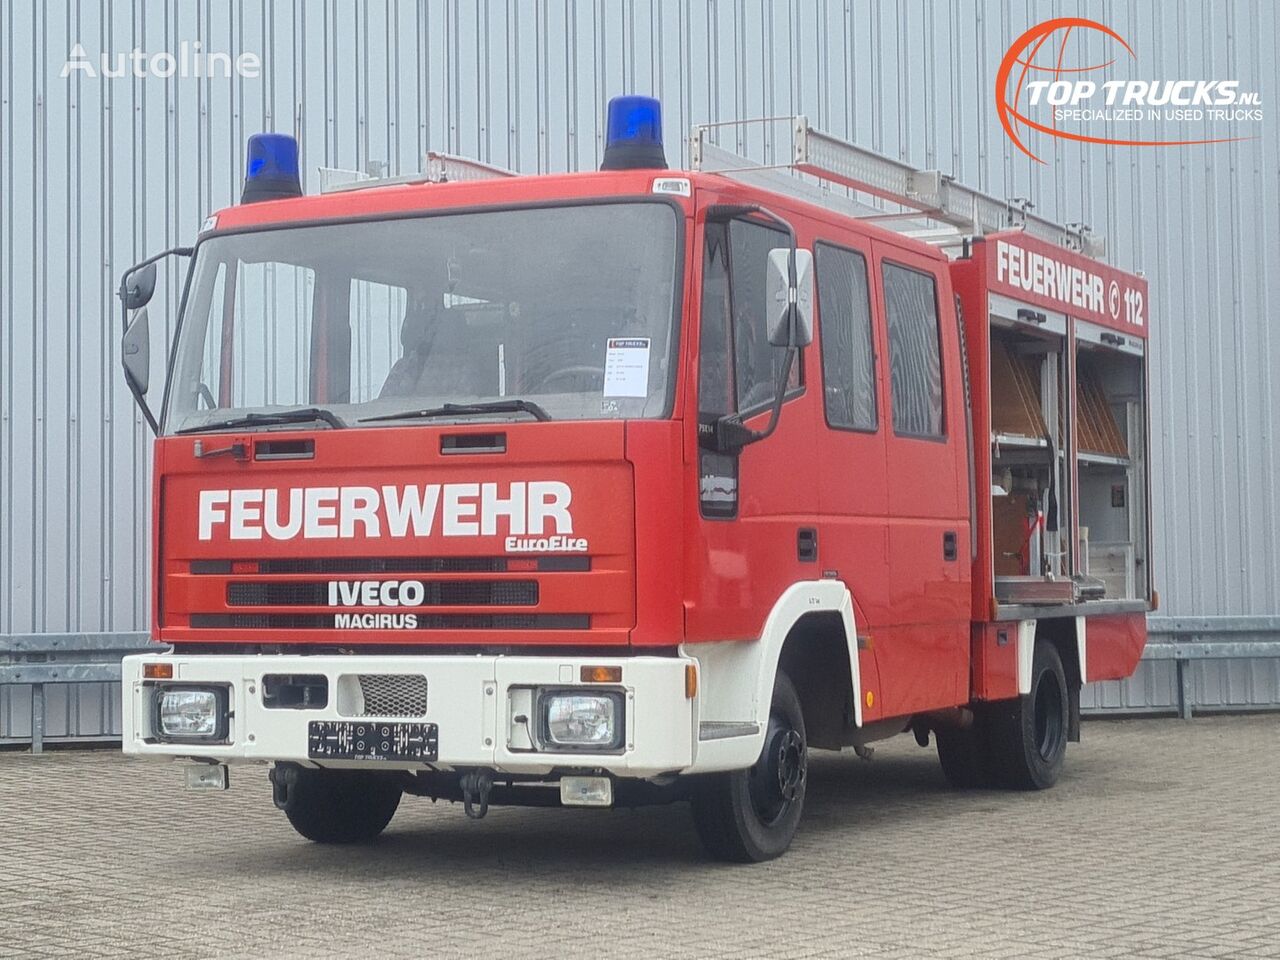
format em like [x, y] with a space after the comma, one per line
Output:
[157, 671]
[522, 565]
[244, 566]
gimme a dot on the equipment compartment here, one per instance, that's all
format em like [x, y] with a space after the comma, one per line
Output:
[1111, 441]
[1031, 540]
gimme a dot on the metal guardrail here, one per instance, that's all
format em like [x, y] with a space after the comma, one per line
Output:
[39, 659]
[1187, 639]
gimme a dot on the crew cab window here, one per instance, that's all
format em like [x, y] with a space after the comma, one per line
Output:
[848, 356]
[915, 360]
[758, 363]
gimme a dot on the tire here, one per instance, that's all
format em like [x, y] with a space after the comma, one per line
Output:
[748, 816]
[964, 754]
[1028, 736]
[340, 806]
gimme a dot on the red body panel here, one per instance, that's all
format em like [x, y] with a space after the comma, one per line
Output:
[995, 661]
[1033, 271]
[589, 458]
[1115, 646]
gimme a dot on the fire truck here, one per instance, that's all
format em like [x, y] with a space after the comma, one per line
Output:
[634, 486]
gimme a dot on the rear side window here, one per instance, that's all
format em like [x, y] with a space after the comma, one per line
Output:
[848, 356]
[915, 361]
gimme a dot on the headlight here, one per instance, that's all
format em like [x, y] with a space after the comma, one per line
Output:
[579, 720]
[191, 713]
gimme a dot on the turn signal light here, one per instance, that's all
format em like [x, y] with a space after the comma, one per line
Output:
[601, 674]
[690, 681]
[157, 671]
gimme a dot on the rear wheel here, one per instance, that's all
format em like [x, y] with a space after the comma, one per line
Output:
[747, 816]
[336, 806]
[1028, 736]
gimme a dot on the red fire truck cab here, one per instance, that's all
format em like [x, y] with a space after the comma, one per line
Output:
[634, 486]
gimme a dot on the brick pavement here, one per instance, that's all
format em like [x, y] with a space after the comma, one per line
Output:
[1161, 841]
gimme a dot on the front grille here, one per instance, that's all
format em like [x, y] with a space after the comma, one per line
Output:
[441, 593]
[323, 565]
[426, 621]
[393, 695]
[384, 565]
[276, 594]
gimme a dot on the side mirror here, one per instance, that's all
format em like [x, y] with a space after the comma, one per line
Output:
[135, 353]
[138, 287]
[788, 304]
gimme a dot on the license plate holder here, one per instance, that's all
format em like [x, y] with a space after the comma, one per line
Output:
[372, 740]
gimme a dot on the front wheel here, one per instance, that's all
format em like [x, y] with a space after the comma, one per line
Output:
[336, 806]
[748, 816]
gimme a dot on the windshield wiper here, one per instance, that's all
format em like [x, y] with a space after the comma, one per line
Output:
[304, 415]
[465, 409]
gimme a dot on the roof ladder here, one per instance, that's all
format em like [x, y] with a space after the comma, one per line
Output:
[924, 195]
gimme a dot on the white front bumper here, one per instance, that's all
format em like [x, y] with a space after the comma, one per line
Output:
[472, 700]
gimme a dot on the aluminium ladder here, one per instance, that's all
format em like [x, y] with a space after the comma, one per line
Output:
[934, 206]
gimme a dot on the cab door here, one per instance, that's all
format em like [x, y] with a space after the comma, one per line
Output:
[754, 510]
[853, 487]
[923, 652]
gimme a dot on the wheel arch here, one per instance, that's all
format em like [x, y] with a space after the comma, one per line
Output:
[737, 677]
[811, 615]
[815, 658]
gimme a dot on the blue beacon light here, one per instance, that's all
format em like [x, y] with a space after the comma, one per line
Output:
[633, 139]
[272, 169]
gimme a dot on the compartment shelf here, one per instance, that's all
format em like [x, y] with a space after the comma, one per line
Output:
[1102, 459]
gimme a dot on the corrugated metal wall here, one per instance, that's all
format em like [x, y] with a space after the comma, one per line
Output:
[96, 173]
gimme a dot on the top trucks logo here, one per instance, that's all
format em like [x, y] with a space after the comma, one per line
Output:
[1093, 105]
[534, 514]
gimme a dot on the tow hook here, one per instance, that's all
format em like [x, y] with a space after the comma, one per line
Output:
[475, 786]
[284, 777]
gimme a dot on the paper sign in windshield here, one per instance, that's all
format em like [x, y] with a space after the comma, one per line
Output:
[626, 367]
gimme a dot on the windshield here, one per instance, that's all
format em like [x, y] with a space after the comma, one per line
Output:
[571, 308]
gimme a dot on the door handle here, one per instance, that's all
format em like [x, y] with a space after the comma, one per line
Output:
[949, 545]
[807, 545]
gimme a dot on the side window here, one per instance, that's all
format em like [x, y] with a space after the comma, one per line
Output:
[715, 356]
[758, 362]
[717, 473]
[848, 354]
[915, 361]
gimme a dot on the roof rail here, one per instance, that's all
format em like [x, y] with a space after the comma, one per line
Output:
[436, 168]
[935, 208]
